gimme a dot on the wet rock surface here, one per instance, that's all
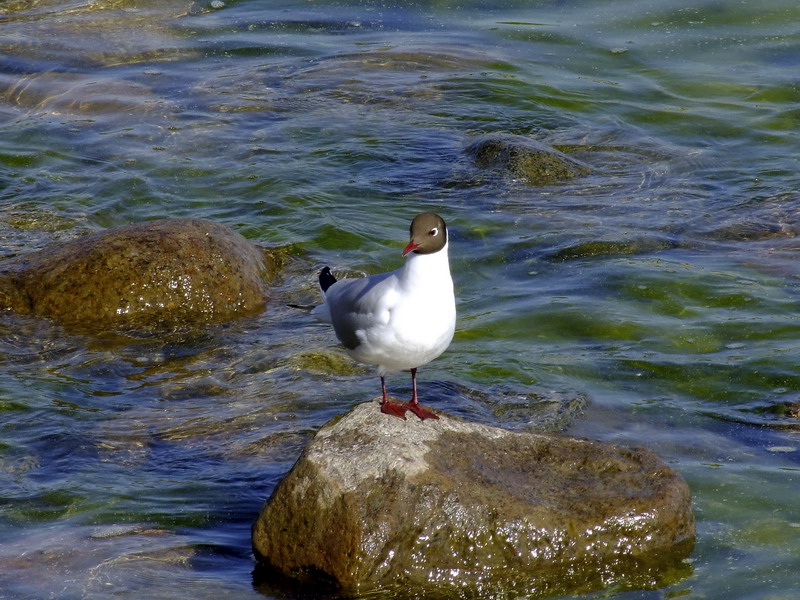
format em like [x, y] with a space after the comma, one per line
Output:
[525, 159]
[167, 272]
[450, 508]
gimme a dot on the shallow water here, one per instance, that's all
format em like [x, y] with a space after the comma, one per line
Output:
[652, 301]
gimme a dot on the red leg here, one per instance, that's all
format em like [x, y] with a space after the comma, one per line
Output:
[414, 406]
[388, 407]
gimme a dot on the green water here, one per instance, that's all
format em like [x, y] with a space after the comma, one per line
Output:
[658, 292]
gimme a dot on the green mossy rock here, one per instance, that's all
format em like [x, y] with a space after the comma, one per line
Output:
[171, 272]
[525, 159]
[447, 508]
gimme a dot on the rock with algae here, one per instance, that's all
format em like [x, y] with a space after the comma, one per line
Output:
[169, 272]
[450, 508]
[525, 159]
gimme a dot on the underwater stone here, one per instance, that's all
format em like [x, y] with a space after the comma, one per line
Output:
[525, 159]
[450, 508]
[167, 272]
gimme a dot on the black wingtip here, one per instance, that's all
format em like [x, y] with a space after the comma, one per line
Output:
[326, 278]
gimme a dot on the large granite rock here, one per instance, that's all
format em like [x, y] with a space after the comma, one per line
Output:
[525, 159]
[168, 272]
[450, 509]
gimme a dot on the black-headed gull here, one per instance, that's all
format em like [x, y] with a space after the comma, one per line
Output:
[399, 320]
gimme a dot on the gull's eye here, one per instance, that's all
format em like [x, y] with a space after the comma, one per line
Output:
[434, 232]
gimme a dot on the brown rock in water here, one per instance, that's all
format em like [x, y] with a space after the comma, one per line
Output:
[167, 272]
[449, 508]
[525, 159]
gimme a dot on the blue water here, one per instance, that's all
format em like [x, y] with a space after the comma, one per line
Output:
[656, 294]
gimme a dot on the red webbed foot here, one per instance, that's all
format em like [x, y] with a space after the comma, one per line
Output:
[419, 410]
[394, 409]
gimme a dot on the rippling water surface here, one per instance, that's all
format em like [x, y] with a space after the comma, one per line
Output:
[654, 299]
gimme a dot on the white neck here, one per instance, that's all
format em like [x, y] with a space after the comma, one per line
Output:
[427, 266]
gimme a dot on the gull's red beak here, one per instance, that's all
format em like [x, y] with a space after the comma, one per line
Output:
[412, 245]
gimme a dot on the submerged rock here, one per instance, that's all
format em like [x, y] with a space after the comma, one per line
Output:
[525, 159]
[449, 508]
[77, 93]
[632, 246]
[168, 272]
